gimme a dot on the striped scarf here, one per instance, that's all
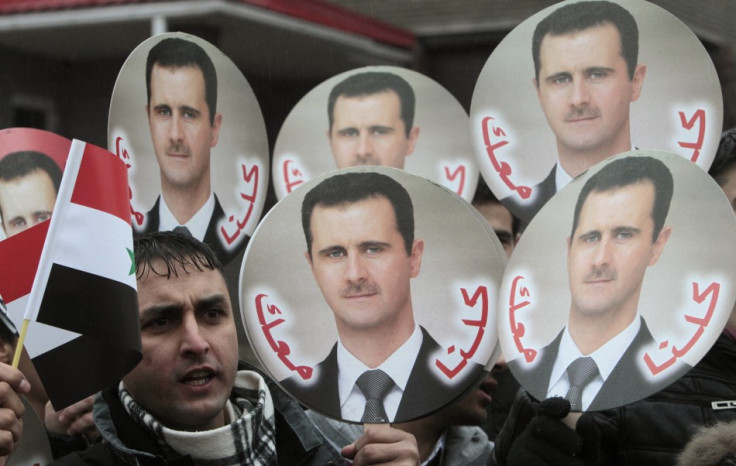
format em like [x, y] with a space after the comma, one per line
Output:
[249, 439]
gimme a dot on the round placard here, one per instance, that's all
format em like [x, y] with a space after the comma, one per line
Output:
[378, 115]
[641, 279]
[595, 96]
[420, 309]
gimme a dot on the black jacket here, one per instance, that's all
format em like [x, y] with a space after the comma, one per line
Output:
[652, 431]
[298, 442]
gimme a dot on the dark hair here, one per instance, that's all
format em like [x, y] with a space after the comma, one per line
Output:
[349, 188]
[173, 249]
[175, 52]
[625, 172]
[22, 163]
[580, 16]
[373, 82]
[484, 195]
[725, 157]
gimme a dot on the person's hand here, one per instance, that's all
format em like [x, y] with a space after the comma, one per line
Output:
[12, 384]
[383, 444]
[72, 420]
[547, 440]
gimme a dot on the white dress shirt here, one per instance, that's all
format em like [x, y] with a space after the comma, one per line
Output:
[197, 225]
[398, 366]
[606, 357]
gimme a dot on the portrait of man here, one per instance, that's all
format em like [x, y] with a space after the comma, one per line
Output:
[361, 249]
[587, 75]
[184, 124]
[371, 118]
[618, 231]
[29, 183]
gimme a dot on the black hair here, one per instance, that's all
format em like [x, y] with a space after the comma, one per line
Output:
[175, 52]
[628, 171]
[349, 188]
[580, 16]
[22, 163]
[173, 250]
[373, 82]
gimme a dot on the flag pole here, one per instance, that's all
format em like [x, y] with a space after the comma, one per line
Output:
[19, 346]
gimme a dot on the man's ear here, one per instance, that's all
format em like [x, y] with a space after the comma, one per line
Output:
[536, 86]
[662, 238]
[637, 81]
[148, 115]
[417, 249]
[216, 124]
[7, 350]
[413, 136]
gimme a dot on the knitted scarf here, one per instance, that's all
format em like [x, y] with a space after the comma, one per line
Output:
[248, 439]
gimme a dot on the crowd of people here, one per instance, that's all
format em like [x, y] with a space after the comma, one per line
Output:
[191, 401]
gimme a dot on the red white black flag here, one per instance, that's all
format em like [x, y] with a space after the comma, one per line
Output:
[83, 305]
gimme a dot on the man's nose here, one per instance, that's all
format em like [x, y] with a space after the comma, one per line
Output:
[175, 129]
[355, 269]
[365, 145]
[603, 253]
[580, 93]
[193, 340]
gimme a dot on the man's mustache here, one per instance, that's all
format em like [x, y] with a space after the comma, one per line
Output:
[584, 111]
[178, 148]
[601, 273]
[360, 288]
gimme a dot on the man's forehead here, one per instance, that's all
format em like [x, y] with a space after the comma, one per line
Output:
[580, 32]
[345, 208]
[165, 73]
[646, 197]
[160, 272]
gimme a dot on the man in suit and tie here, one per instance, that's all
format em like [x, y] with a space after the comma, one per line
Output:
[618, 232]
[181, 84]
[586, 77]
[359, 230]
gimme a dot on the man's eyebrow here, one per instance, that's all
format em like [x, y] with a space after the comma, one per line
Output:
[599, 69]
[162, 107]
[626, 229]
[588, 233]
[503, 235]
[346, 129]
[188, 109]
[381, 127]
[160, 310]
[329, 249]
[373, 244]
[211, 301]
[555, 76]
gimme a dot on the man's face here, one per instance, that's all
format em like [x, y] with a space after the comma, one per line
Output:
[585, 90]
[190, 349]
[611, 249]
[360, 264]
[500, 219]
[368, 130]
[26, 201]
[472, 408]
[179, 120]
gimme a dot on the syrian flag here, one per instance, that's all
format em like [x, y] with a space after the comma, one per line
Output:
[83, 305]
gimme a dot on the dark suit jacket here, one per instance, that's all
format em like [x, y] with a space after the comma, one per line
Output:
[212, 237]
[541, 193]
[624, 385]
[424, 392]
